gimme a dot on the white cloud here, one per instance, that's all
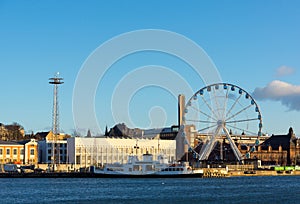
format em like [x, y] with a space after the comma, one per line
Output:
[287, 94]
[284, 71]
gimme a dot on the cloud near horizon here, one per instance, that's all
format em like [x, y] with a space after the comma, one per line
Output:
[284, 71]
[287, 94]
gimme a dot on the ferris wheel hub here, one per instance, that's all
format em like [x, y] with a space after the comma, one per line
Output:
[221, 123]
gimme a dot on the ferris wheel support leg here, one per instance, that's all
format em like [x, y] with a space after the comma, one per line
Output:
[209, 146]
[236, 151]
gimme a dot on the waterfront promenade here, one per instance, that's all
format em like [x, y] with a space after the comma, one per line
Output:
[263, 173]
[207, 173]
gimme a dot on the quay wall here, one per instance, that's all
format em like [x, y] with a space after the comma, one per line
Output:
[214, 172]
[263, 173]
[247, 171]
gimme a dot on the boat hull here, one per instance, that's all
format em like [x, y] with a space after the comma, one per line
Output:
[149, 175]
[95, 175]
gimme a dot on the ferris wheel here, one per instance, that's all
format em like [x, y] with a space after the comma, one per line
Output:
[220, 111]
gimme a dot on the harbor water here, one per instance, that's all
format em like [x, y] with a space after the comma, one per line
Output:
[271, 189]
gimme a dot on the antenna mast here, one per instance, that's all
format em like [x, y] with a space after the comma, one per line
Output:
[56, 80]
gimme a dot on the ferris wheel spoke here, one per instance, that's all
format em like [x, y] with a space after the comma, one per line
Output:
[239, 112]
[200, 121]
[206, 128]
[213, 112]
[217, 102]
[233, 105]
[240, 121]
[243, 130]
[226, 101]
[203, 113]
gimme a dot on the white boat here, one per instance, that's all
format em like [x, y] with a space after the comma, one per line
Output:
[147, 167]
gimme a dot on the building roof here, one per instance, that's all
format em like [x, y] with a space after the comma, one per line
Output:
[41, 135]
[276, 140]
[23, 142]
[2, 142]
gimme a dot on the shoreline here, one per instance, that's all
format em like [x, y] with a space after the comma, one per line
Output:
[93, 175]
[262, 173]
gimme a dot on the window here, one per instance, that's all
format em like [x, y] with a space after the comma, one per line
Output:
[1, 151]
[15, 151]
[49, 151]
[77, 159]
[7, 151]
[49, 158]
[31, 151]
[22, 151]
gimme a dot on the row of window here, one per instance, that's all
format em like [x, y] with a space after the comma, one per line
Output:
[62, 159]
[7, 160]
[61, 151]
[56, 144]
[15, 151]
[271, 156]
[124, 150]
[101, 159]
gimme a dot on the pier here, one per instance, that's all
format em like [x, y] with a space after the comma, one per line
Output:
[215, 173]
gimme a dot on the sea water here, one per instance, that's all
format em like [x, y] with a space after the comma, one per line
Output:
[277, 189]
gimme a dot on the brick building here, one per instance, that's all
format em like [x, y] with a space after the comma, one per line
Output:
[279, 150]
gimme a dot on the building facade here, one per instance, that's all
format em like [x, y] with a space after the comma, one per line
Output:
[279, 150]
[84, 152]
[23, 152]
[52, 149]
[31, 151]
[11, 152]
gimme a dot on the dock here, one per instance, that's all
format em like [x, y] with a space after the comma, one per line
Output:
[215, 173]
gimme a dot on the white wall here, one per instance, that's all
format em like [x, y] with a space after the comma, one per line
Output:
[100, 151]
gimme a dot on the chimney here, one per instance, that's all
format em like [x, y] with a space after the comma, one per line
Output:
[181, 107]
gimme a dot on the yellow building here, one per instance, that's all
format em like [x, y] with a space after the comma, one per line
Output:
[31, 152]
[11, 152]
[24, 152]
[49, 136]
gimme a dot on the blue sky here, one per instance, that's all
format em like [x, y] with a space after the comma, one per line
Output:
[252, 44]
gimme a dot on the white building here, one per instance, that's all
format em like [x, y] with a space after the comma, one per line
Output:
[52, 143]
[85, 152]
